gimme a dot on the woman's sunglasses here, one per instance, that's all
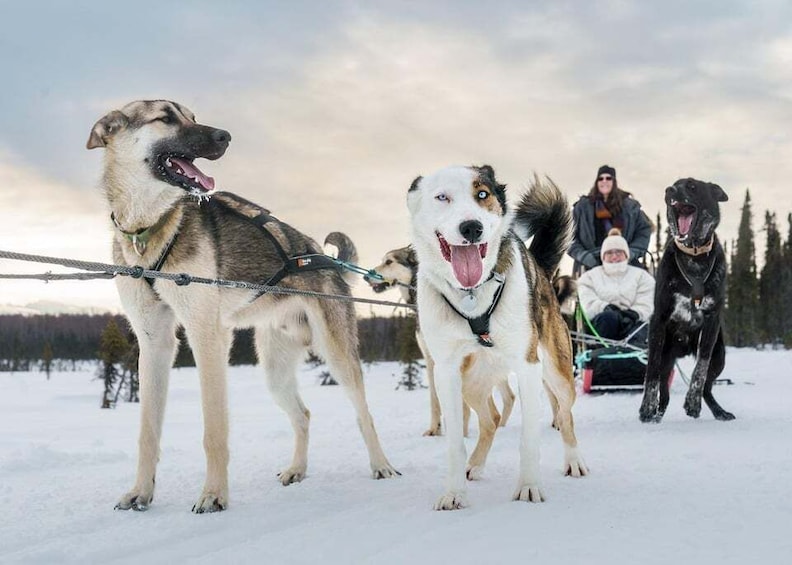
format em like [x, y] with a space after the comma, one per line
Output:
[605, 178]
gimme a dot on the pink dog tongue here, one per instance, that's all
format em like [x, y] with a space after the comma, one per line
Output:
[684, 223]
[467, 264]
[190, 170]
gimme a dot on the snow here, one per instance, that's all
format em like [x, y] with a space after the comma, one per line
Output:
[683, 491]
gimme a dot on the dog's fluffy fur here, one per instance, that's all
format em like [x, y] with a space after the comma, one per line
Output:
[462, 232]
[689, 300]
[399, 268]
[151, 182]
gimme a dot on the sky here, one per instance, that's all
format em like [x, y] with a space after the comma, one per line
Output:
[335, 107]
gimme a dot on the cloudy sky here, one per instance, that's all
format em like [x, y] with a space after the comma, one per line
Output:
[335, 107]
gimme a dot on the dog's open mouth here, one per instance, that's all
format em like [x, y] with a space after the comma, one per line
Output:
[380, 287]
[179, 170]
[466, 260]
[686, 215]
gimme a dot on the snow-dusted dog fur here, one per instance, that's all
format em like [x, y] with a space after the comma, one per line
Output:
[399, 268]
[462, 233]
[158, 197]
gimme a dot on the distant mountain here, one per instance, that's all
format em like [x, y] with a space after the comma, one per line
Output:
[50, 307]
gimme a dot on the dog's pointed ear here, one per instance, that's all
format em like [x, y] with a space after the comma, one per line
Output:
[487, 173]
[412, 258]
[414, 185]
[718, 192]
[106, 127]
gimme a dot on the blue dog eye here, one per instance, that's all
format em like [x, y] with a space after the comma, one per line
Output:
[482, 195]
[442, 197]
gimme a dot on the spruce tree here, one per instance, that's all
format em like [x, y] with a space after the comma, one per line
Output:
[742, 293]
[770, 285]
[409, 352]
[46, 358]
[113, 350]
[786, 287]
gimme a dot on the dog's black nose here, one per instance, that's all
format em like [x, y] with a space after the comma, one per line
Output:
[221, 136]
[471, 230]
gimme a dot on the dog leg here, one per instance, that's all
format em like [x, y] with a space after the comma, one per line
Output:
[709, 336]
[211, 349]
[480, 400]
[658, 366]
[560, 384]
[435, 428]
[449, 391]
[155, 327]
[508, 397]
[339, 350]
[715, 369]
[529, 487]
[551, 397]
[279, 353]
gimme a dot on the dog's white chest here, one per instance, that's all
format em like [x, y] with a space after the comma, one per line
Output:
[685, 311]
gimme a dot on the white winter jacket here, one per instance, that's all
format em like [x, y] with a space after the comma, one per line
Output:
[633, 290]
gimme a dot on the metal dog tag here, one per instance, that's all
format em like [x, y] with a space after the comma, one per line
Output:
[469, 302]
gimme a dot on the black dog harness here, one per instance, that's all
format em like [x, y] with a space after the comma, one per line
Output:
[252, 213]
[696, 283]
[480, 325]
[291, 265]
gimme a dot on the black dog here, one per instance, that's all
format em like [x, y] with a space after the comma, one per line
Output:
[689, 300]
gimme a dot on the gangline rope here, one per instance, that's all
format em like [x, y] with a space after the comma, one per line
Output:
[107, 271]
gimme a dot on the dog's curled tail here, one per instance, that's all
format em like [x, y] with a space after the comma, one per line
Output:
[543, 213]
[347, 252]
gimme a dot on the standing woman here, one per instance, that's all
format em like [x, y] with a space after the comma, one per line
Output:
[606, 206]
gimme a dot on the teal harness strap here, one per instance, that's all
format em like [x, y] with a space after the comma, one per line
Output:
[585, 356]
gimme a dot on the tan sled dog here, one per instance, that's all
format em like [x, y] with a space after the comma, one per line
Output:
[167, 218]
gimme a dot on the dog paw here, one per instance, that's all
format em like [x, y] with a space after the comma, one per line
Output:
[474, 472]
[693, 407]
[575, 468]
[135, 500]
[529, 493]
[451, 501]
[724, 416]
[650, 405]
[384, 472]
[650, 412]
[291, 475]
[210, 502]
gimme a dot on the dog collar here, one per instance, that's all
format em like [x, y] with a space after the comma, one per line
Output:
[480, 324]
[695, 251]
[141, 237]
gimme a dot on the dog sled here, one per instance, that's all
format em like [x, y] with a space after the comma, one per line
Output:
[604, 364]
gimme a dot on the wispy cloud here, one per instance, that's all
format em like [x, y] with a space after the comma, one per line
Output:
[333, 113]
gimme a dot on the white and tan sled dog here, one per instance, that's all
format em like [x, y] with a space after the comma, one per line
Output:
[167, 217]
[487, 308]
[399, 269]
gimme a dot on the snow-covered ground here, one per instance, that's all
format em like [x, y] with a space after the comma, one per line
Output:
[684, 491]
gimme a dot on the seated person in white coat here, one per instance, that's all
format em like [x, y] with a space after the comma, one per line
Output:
[617, 297]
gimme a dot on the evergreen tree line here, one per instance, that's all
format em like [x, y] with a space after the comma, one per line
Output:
[28, 342]
[759, 302]
[758, 313]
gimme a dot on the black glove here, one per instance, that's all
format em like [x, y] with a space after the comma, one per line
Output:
[631, 314]
[612, 308]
